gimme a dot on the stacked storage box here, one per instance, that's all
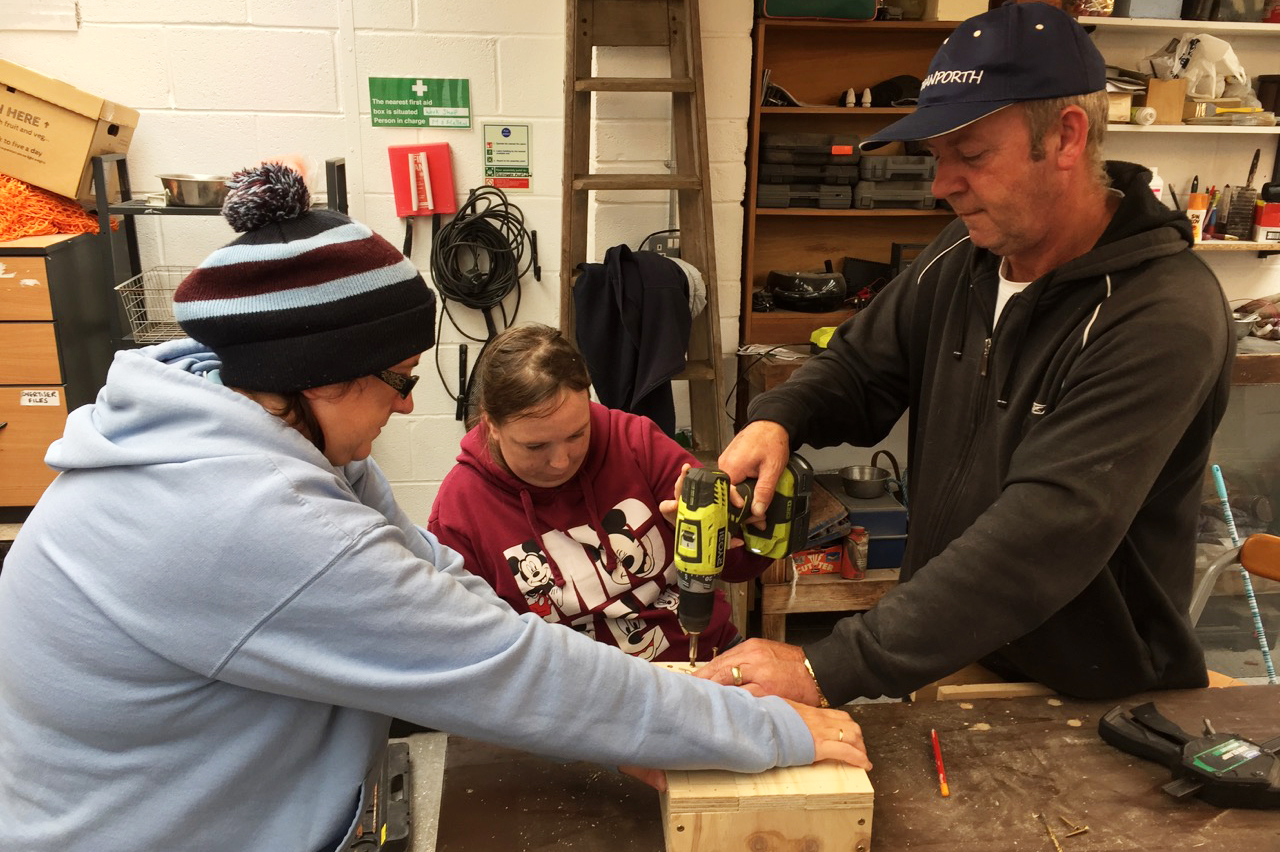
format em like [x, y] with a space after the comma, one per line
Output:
[895, 181]
[808, 170]
[884, 518]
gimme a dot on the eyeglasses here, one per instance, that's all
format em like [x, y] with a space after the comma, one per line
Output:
[403, 384]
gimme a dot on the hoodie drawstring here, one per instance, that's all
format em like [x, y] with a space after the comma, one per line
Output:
[610, 558]
[531, 517]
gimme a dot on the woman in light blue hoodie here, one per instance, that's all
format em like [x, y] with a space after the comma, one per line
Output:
[211, 615]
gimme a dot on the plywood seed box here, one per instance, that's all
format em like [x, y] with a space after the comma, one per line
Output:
[826, 806]
[50, 129]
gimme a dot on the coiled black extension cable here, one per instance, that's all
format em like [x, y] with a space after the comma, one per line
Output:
[477, 260]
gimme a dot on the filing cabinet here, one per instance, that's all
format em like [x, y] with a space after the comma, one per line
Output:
[55, 347]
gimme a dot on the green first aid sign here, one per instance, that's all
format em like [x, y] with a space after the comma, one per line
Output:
[420, 102]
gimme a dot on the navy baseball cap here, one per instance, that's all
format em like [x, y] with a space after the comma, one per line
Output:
[1019, 52]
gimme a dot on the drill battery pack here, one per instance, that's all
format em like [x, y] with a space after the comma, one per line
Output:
[821, 196]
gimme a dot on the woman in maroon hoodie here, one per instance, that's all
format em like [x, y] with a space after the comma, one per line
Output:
[566, 507]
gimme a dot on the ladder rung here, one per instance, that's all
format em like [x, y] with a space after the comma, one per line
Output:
[643, 181]
[696, 371]
[634, 84]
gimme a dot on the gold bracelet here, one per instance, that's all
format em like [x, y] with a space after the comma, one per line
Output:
[822, 699]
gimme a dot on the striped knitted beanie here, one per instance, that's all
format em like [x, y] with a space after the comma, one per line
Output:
[303, 298]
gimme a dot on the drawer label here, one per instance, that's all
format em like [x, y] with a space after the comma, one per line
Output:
[41, 397]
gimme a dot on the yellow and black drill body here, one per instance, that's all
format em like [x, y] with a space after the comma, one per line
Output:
[706, 520]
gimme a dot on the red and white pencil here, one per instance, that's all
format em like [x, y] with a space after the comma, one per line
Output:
[937, 758]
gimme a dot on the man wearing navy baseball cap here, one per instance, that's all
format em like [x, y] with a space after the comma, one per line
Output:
[1064, 360]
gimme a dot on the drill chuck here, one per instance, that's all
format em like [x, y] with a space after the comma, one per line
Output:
[695, 606]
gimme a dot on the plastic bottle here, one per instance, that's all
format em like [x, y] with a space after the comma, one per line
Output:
[1197, 211]
[1142, 115]
[1157, 184]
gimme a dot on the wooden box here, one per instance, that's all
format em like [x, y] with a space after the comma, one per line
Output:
[823, 806]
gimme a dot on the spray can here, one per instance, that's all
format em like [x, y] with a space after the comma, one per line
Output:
[1142, 115]
[854, 565]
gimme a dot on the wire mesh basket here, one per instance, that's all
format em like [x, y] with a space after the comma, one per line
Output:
[148, 303]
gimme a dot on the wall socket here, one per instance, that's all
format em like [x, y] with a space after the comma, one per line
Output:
[667, 245]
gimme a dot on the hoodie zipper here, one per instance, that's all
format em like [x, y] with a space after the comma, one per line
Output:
[960, 472]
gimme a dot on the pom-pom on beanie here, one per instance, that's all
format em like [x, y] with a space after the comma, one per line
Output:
[303, 298]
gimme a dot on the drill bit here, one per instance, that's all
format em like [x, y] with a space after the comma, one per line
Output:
[693, 648]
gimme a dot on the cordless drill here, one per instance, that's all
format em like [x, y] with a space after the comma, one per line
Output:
[706, 520]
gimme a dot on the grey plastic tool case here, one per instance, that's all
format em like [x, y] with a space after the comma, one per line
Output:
[877, 167]
[821, 196]
[816, 149]
[792, 173]
[903, 194]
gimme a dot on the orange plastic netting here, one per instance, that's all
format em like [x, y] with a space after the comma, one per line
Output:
[28, 211]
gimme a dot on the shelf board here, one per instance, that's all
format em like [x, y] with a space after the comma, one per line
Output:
[1219, 27]
[828, 592]
[1256, 369]
[925, 26]
[1236, 245]
[791, 327]
[1191, 128]
[832, 109]
[139, 206]
[813, 211]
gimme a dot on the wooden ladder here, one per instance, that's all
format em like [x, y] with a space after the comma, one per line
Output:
[648, 23]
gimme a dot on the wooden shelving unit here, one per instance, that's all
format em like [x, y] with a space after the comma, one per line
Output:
[1221, 29]
[816, 61]
[1256, 369]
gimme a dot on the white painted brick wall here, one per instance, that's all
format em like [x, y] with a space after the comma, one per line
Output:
[222, 84]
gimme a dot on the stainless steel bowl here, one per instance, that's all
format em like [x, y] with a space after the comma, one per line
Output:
[864, 481]
[194, 190]
[1243, 323]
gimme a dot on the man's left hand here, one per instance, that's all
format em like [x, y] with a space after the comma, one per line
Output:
[762, 667]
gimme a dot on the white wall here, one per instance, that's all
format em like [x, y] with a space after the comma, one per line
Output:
[223, 84]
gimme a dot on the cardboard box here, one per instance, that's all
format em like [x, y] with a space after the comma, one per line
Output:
[49, 130]
[1118, 106]
[820, 560]
[1166, 98]
[1167, 9]
[953, 10]
[1266, 222]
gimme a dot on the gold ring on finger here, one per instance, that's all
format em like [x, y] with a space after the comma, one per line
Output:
[840, 736]
[737, 675]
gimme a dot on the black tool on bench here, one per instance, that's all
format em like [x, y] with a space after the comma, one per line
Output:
[1226, 770]
[385, 824]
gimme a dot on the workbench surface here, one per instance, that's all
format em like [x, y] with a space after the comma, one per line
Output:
[1006, 759]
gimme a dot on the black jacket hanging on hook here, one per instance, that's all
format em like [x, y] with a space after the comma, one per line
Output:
[632, 319]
